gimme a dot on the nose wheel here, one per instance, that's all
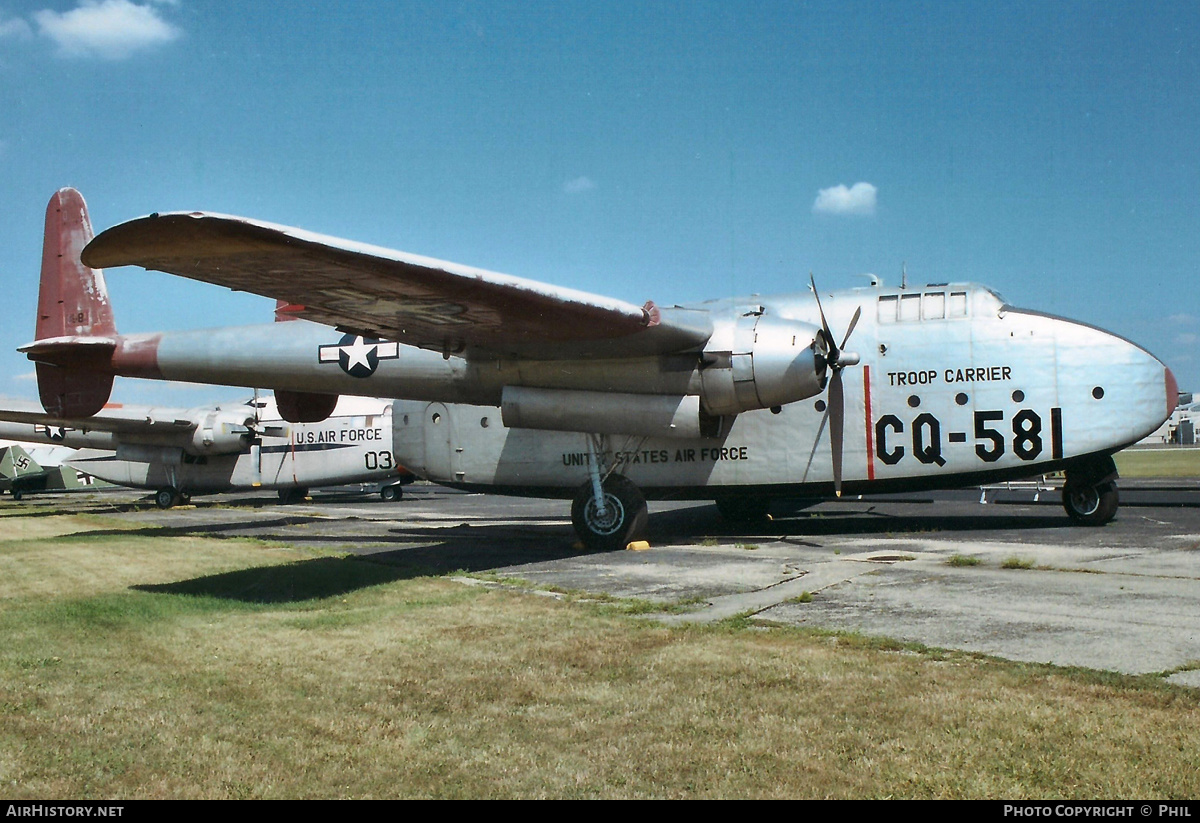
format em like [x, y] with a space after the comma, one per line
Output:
[1090, 492]
[1090, 505]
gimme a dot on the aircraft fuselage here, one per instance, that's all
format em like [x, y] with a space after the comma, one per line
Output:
[952, 384]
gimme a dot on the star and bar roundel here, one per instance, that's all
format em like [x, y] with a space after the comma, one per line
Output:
[357, 355]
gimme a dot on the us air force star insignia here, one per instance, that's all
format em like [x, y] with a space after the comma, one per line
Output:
[357, 355]
[55, 433]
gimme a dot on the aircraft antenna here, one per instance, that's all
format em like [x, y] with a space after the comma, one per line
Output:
[903, 275]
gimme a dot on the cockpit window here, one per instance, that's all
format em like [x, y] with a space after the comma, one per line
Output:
[928, 305]
[887, 308]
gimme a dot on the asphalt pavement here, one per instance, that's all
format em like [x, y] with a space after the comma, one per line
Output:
[1001, 571]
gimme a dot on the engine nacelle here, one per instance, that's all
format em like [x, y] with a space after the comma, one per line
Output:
[221, 431]
[761, 362]
[646, 415]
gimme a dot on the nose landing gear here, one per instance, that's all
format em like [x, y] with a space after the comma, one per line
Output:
[1090, 492]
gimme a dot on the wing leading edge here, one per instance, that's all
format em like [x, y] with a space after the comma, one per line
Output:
[124, 420]
[382, 293]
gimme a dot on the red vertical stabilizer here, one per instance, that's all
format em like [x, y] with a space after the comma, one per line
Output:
[74, 312]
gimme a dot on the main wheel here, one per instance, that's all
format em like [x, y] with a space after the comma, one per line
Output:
[17, 493]
[290, 496]
[744, 509]
[166, 497]
[622, 521]
[1090, 505]
[392, 492]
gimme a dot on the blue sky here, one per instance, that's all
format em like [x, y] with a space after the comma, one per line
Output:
[665, 151]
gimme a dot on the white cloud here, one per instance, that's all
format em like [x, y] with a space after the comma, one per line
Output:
[579, 184]
[1186, 339]
[29, 375]
[859, 199]
[112, 29]
[1182, 319]
[15, 28]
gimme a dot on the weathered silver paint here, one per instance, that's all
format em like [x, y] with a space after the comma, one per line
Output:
[935, 386]
[154, 448]
[1039, 374]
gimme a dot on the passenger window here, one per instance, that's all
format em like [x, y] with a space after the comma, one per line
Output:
[910, 307]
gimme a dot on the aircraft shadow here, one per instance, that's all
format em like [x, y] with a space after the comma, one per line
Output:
[473, 548]
[686, 525]
[486, 549]
[289, 583]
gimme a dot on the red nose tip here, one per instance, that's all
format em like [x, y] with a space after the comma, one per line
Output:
[1172, 392]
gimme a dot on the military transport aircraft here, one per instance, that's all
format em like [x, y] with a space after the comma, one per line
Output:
[181, 452]
[514, 386]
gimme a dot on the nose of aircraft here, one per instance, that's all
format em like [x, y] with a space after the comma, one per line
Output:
[1112, 391]
[1172, 391]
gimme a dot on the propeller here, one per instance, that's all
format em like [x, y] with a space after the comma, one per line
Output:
[836, 359]
[256, 443]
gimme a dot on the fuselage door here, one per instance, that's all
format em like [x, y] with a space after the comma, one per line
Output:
[438, 445]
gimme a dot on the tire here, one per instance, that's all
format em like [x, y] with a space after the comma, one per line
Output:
[292, 496]
[624, 519]
[744, 509]
[391, 493]
[165, 497]
[17, 494]
[1090, 505]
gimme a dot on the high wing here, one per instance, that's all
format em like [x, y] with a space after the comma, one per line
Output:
[200, 431]
[377, 292]
[126, 420]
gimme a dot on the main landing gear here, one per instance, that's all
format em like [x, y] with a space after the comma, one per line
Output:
[291, 496]
[608, 513]
[1090, 492]
[169, 496]
[612, 520]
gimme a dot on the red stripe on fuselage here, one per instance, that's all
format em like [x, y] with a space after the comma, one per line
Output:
[867, 403]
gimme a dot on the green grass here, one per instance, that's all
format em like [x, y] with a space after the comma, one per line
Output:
[1017, 563]
[963, 560]
[142, 666]
[1164, 462]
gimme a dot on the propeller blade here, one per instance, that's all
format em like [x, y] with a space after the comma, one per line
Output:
[833, 351]
[816, 442]
[853, 323]
[837, 418]
[835, 412]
